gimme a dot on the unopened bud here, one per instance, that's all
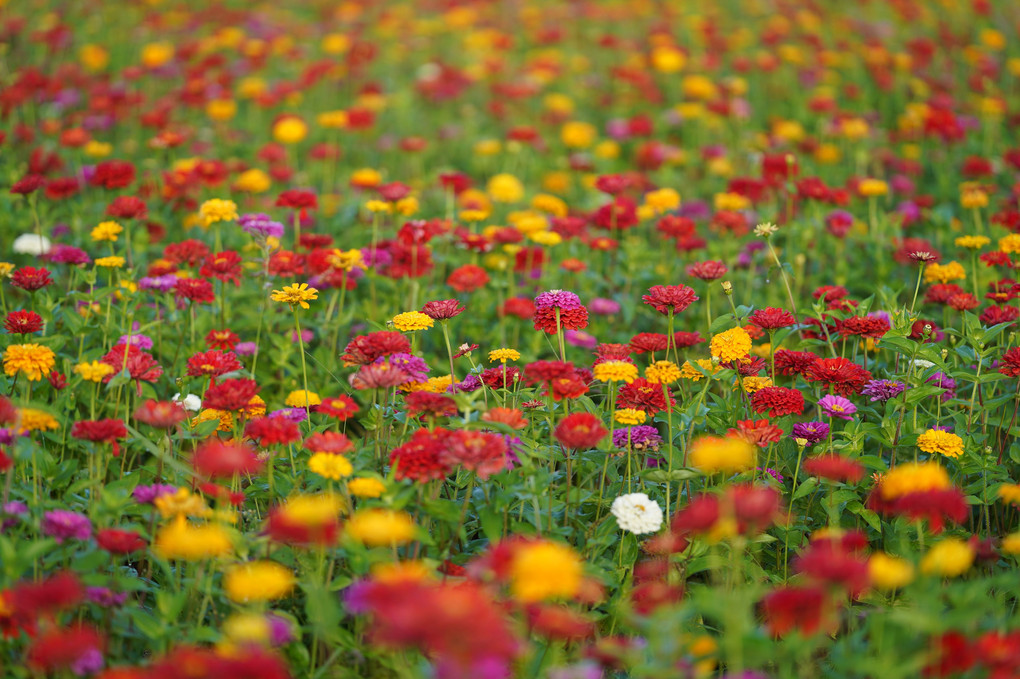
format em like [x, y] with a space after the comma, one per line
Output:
[727, 287]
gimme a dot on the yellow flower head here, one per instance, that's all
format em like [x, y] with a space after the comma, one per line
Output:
[217, 210]
[545, 570]
[941, 442]
[253, 181]
[30, 419]
[111, 262]
[662, 200]
[663, 372]
[1010, 244]
[247, 628]
[949, 558]
[689, 372]
[366, 487]
[290, 130]
[107, 231]
[754, 383]
[410, 321]
[615, 371]
[330, 466]
[332, 120]
[1010, 492]
[889, 572]
[972, 242]
[870, 188]
[914, 477]
[258, 581]
[1011, 543]
[578, 134]
[182, 541]
[181, 503]
[376, 205]
[346, 260]
[732, 345]
[380, 527]
[34, 361]
[629, 416]
[943, 273]
[93, 371]
[730, 454]
[299, 293]
[504, 355]
[301, 398]
[505, 188]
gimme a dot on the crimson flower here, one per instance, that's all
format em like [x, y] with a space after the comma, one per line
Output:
[30, 279]
[23, 322]
[443, 309]
[669, 298]
[580, 431]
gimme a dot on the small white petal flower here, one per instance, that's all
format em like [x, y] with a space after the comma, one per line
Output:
[31, 244]
[190, 402]
[637, 513]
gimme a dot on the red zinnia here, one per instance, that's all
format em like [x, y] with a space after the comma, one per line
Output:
[772, 318]
[275, 430]
[580, 431]
[116, 541]
[23, 322]
[31, 279]
[839, 374]
[195, 290]
[482, 452]
[330, 442]
[669, 298]
[806, 609]
[230, 395]
[341, 407]
[217, 459]
[420, 458]
[160, 414]
[644, 395]
[127, 207]
[835, 468]
[443, 309]
[707, 271]
[212, 363]
[364, 349]
[778, 401]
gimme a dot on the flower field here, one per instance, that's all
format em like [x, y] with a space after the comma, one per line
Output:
[464, 339]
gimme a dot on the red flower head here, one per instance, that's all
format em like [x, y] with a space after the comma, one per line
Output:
[772, 318]
[644, 395]
[161, 414]
[580, 431]
[521, 307]
[707, 271]
[828, 564]
[23, 322]
[113, 174]
[224, 340]
[759, 432]
[28, 184]
[59, 592]
[482, 452]
[231, 395]
[667, 298]
[100, 431]
[423, 403]
[330, 442]
[794, 362]
[547, 371]
[297, 200]
[1011, 363]
[30, 279]
[503, 377]
[127, 207]
[840, 375]
[936, 505]
[141, 366]
[467, 278]
[195, 290]
[223, 266]
[420, 458]
[778, 401]
[217, 459]
[364, 349]
[270, 431]
[443, 309]
[188, 252]
[212, 363]
[834, 467]
[64, 649]
[341, 407]
[805, 609]
[116, 541]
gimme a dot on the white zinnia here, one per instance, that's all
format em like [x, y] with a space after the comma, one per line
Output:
[190, 402]
[637, 513]
[31, 244]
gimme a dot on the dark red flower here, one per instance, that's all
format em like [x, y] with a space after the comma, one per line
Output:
[834, 467]
[467, 278]
[423, 403]
[28, 184]
[116, 541]
[223, 266]
[778, 401]
[707, 271]
[772, 318]
[113, 174]
[127, 207]
[580, 431]
[482, 452]
[59, 592]
[644, 395]
[804, 609]
[59, 649]
[669, 298]
[443, 309]
[231, 395]
[224, 340]
[275, 430]
[23, 322]
[331, 442]
[794, 362]
[840, 375]
[298, 200]
[521, 307]
[160, 414]
[142, 367]
[213, 363]
[30, 278]
[420, 458]
[828, 564]
[341, 407]
[217, 459]
[365, 349]
[195, 290]
[759, 432]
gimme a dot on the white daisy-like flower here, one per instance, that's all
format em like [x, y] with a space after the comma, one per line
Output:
[921, 363]
[190, 402]
[31, 244]
[637, 513]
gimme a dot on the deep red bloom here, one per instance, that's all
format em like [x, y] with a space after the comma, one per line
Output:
[330, 442]
[467, 278]
[195, 290]
[127, 207]
[217, 459]
[212, 363]
[863, 326]
[58, 592]
[707, 271]
[341, 407]
[482, 452]
[100, 431]
[924, 330]
[644, 395]
[142, 367]
[428, 404]
[648, 342]
[937, 506]
[1011, 363]
[31, 279]
[118, 541]
[759, 432]
[61, 188]
[778, 401]
[160, 414]
[223, 266]
[23, 322]
[28, 184]
[188, 252]
[952, 654]
[224, 340]
[571, 386]
[772, 318]
[828, 564]
[683, 340]
[298, 200]
[570, 318]
[666, 298]
[420, 458]
[840, 375]
[805, 609]
[521, 307]
[113, 174]
[231, 395]
[62, 649]
[500, 377]
[270, 431]
[580, 431]
[547, 371]
[834, 467]
[794, 362]
[443, 309]
[364, 349]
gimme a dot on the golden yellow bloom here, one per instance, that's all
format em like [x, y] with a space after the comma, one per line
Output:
[366, 177]
[253, 181]
[107, 231]
[1010, 244]
[615, 371]
[155, 54]
[34, 361]
[300, 398]
[1010, 492]
[730, 201]
[668, 59]
[629, 416]
[299, 293]
[732, 345]
[31, 419]
[5, 269]
[111, 262]
[972, 199]
[689, 372]
[182, 541]
[410, 321]
[290, 130]
[365, 487]
[913, 477]
[972, 242]
[375, 205]
[549, 204]
[696, 86]
[663, 372]
[346, 260]
[407, 206]
[224, 417]
[949, 558]
[870, 188]
[438, 384]
[217, 210]
[98, 149]
[221, 110]
[380, 527]
[258, 581]
[943, 273]
[505, 188]
[755, 382]
[504, 355]
[577, 134]
[93, 57]
[731, 454]
[1011, 543]
[181, 503]
[662, 200]
[544, 570]
[332, 120]
[330, 466]
[256, 407]
[401, 571]
[312, 510]
[93, 371]
[889, 572]
[247, 628]
[941, 442]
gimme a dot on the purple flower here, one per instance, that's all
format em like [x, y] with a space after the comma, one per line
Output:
[604, 307]
[642, 437]
[163, 283]
[63, 524]
[67, 254]
[579, 338]
[947, 383]
[292, 414]
[260, 226]
[280, 630]
[837, 406]
[512, 445]
[140, 341]
[813, 432]
[771, 472]
[560, 299]
[105, 597]
[245, 348]
[89, 662]
[10, 513]
[469, 384]
[415, 366]
[306, 335]
[883, 390]
[146, 495]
